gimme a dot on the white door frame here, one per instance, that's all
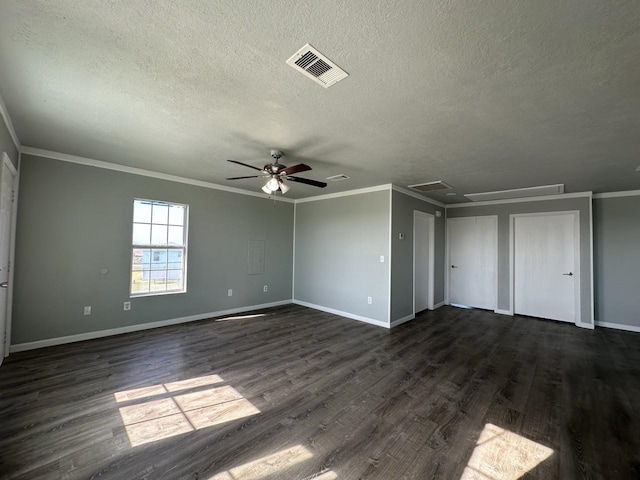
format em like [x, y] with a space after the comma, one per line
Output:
[12, 249]
[576, 253]
[447, 254]
[431, 222]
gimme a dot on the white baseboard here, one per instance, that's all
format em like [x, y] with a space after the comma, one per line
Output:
[402, 320]
[618, 326]
[353, 316]
[588, 326]
[49, 342]
[438, 305]
[503, 312]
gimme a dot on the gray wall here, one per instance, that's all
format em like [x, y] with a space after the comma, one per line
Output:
[616, 223]
[74, 220]
[6, 143]
[402, 253]
[337, 254]
[504, 210]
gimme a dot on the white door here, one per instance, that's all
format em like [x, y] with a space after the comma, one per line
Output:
[7, 177]
[423, 253]
[545, 269]
[472, 261]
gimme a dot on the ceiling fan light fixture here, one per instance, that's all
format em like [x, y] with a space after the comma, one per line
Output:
[283, 188]
[266, 190]
[273, 184]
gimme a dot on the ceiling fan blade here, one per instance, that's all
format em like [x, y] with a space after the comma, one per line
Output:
[301, 167]
[245, 165]
[240, 178]
[308, 181]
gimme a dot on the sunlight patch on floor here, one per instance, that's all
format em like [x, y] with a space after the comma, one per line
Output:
[273, 464]
[328, 475]
[193, 383]
[171, 415]
[503, 455]
[153, 390]
[240, 317]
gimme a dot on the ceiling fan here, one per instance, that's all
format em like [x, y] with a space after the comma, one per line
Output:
[278, 173]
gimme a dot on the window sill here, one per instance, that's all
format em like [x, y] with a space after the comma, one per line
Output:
[155, 294]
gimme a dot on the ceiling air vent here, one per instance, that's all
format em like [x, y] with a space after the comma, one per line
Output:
[431, 186]
[316, 66]
[337, 178]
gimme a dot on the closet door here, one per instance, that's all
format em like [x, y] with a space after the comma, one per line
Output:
[472, 261]
[545, 273]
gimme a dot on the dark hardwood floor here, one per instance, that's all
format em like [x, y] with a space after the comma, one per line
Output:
[299, 394]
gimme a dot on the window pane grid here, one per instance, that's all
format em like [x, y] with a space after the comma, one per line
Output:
[158, 248]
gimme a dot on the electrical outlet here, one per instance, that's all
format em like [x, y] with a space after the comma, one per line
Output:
[127, 306]
[87, 310]
[230, 292]
[369, 300]
[265, 288]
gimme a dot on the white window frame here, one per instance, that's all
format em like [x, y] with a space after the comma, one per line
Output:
[166, 246]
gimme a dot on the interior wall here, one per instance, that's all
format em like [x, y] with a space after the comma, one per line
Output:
[74, 220]
[402, 207]
[616, 223]
[582, 204]
[338, 244]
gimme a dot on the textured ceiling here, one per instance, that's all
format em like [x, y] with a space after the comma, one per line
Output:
[482, 95]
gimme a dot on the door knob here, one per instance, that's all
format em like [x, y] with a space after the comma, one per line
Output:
[4, 285]
[453, 266]
[570, 274]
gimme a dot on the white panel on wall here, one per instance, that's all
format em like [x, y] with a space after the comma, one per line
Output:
[256, 257]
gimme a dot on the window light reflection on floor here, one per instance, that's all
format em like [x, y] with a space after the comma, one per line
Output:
[503, 455]
[240, 317]
[273, 464]
[166, 413]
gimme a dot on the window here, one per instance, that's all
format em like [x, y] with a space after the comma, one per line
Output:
[159, 248]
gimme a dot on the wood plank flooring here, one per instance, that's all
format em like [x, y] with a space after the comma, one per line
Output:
[293, 393]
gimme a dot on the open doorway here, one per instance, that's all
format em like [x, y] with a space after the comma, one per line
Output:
[8, 175]
[423, 260]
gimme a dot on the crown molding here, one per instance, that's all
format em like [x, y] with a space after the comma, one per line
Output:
[561, 196]
[626, 193]
[417, 195]
[7, 120]
[64, 157]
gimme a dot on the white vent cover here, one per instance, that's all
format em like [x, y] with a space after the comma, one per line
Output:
[337, 178]
[316, 66]
[431, 186]
[517, 193]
